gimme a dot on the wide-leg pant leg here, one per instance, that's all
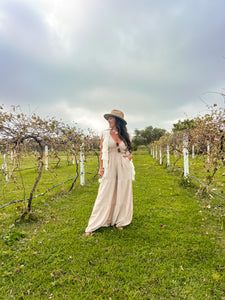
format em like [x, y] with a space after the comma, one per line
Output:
[104, 202]
[123, 210]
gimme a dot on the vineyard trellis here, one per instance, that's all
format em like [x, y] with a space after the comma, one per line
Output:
[33, 135]
[206, 138]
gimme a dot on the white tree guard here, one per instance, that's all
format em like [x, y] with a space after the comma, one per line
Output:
[168, 155]
[82, 175]
[46, 157]
[193, 151]
[186, 156]
[208, 151]
[186, 162]
[160, 155]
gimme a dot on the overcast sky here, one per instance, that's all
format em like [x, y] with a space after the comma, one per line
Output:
[158, 61]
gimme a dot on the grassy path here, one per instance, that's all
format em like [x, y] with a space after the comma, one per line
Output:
[173, 249]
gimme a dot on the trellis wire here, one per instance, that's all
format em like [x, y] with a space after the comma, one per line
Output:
[82, 176]
[205, 186]
[20, 170]
[42, 194]
[186, 165]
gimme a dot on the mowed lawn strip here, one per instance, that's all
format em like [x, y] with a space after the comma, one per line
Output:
[173, 249]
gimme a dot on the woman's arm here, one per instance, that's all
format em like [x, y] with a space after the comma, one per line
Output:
[128, 156]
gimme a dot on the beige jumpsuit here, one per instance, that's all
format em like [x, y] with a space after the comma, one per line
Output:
[114, 202]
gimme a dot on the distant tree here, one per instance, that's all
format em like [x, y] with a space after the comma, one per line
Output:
[183, 125]
[147, 136]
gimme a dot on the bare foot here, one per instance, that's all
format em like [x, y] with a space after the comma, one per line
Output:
[87, 233]
[120, 227]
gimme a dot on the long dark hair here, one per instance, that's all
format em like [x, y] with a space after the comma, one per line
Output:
[122, 133]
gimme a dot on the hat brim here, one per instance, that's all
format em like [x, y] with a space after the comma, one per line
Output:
[106, 116]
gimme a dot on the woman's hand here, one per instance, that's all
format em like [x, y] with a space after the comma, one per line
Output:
[100, 173]
[129, 156]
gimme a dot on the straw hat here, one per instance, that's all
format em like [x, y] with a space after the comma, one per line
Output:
[116, 113]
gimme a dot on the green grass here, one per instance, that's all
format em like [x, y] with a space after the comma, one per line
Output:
[173, 249]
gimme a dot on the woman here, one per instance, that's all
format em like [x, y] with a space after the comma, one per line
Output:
[114, 202]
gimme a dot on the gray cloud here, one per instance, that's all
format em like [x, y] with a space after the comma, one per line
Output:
[151, 59]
